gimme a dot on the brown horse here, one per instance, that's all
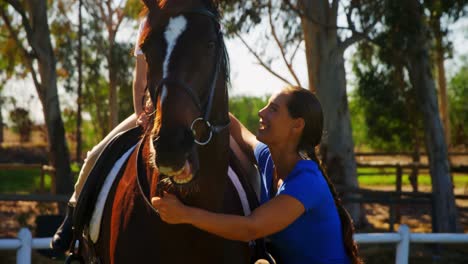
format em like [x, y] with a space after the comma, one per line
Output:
[184, 148]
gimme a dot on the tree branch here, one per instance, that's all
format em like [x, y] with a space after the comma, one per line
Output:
[280, 46]
[90, 9]
[24, 19]
[26, 55]
[294, 8]
[303, 15]
[120, 17]
[356, 35]
[261, 62]
[295, 51]
[349, 20]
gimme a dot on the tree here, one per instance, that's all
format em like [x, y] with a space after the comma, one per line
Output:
[458, 93]
[9, 58]
[38, 56]
[111, 14]
[79, 90]
[315, 22]
[419, 68]
[246, 108]
[406, 19]
[452, 10]
[386, 100]
[89, 68]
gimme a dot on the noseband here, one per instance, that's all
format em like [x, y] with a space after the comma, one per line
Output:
[213, 129]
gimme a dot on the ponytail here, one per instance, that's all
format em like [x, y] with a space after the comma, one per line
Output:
[347, 227]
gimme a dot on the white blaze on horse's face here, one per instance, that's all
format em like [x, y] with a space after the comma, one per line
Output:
[174, 29]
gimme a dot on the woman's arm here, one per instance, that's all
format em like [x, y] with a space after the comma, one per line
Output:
[244, 138]
[267, 219]
[139, 84]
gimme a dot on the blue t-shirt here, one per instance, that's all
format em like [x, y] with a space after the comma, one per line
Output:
[315, 237]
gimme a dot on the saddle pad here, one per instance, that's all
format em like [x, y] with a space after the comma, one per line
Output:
[240, 191]
[104, 163]
[95, 222]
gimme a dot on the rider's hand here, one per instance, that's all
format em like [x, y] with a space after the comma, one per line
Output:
[142, 120]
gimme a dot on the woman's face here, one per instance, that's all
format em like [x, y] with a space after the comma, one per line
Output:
[275, 122]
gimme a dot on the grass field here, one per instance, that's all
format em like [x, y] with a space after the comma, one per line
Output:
[28, 181]
[377, 178]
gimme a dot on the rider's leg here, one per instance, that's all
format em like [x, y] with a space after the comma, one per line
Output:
[63, 236]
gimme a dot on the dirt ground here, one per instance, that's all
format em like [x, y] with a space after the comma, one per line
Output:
[14, 215]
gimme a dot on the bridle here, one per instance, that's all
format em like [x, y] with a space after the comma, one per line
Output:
[212, 128]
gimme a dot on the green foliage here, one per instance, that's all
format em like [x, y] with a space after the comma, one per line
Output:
[11, 61]
[133, 8]
[458, 96]
[124, 62]
[385, 102]
[246, 108]
[358, 122]
[393, 118]
[95, 49]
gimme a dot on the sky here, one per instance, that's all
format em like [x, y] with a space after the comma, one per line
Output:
[247, 76]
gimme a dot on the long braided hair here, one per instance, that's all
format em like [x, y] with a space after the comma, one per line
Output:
[303, 104]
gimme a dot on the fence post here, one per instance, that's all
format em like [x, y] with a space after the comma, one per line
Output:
[23, 255]
[399, 174]
[42, 184]
[402, 250]
[399, 178]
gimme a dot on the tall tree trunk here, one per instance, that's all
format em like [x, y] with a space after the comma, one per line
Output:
[111, 14]
[113, 95]
[1, 119]
[419, 68]
[48, 95]
[38, 36]
[326, 72]
[441, 80]
[80, 82]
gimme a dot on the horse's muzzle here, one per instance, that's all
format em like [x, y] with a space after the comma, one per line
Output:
[176, 156]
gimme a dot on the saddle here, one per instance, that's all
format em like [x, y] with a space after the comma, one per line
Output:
[88, 197]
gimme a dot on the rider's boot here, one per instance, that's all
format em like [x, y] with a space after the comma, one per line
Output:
[63, 236]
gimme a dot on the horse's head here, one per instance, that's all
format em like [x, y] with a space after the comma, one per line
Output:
[187, 71]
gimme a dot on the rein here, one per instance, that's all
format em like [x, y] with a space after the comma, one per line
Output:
[140, 178]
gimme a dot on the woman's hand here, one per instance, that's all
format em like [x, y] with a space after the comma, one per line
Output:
[171, 209]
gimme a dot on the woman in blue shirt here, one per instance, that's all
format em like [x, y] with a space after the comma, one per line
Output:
[300, 210]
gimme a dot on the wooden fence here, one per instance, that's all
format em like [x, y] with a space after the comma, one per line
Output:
[41, 195]
[394, 199]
